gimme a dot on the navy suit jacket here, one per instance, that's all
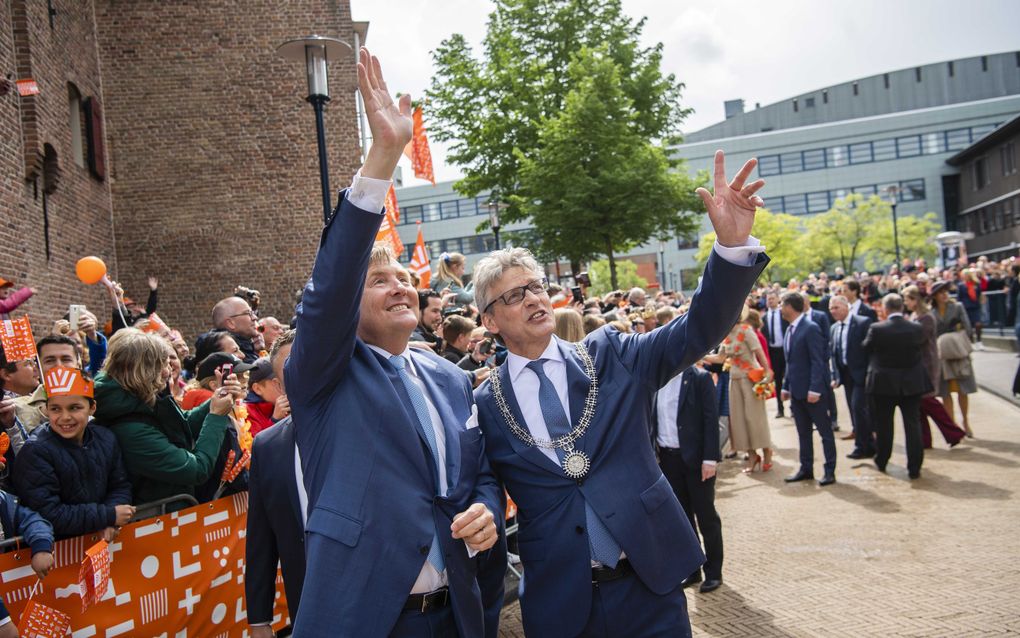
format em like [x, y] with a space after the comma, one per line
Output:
[864, 310]
[624, 486]
[697, 418]
[806, 367]
[825, 324]
[856, 358]
[275, 531]
[372, 504]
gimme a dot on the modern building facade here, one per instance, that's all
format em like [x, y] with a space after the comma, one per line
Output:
[865, 136]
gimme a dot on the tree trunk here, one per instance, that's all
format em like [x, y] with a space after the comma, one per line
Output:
[612, 264]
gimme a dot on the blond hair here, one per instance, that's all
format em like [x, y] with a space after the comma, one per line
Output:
[136, 360]
[569, 325]
[446, 262]
[914, 293]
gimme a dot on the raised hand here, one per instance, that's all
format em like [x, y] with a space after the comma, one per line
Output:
[153, 283]
[389, 122]
[731, 208]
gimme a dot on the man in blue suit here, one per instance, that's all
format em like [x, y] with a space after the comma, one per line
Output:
[686, 434]
[400, 494]
[276, 503]
[807, 376]
[822, 319]
[850, 369]
[604, 542]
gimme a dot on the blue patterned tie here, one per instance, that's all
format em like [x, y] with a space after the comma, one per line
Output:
[421, 409]
[603, 546]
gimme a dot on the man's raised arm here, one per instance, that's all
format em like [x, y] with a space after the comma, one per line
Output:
[327, 317]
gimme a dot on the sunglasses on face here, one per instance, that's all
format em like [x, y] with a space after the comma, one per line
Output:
[516, 295]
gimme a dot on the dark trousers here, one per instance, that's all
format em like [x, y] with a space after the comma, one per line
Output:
[698, 500]
[804, 416]
[882, 409]
[625, 607]
[857, 399]
[778, 358]
[829, 399]
[434, 624]
[951, 432]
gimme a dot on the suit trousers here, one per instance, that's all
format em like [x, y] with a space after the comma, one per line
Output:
[829, 397]
[698, 500]
[625, 607]
[951, 432]
[438, 623]
[883, 409]
[806, 415]
[778, 358]
[857, 399]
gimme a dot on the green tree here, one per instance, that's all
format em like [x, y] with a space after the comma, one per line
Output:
[840, 236]
[497, 109]
[916, 235]
[594, 185]
[783, 238]
[626, 273]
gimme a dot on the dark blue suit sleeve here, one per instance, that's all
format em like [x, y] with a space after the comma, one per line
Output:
[261, 554]
[816, 351]
[710, 417]
[327, 317]
[660, 355]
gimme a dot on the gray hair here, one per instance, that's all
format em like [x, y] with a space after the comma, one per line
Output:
[839, 299]
[892, 302]
[635, 293]
[489, 270]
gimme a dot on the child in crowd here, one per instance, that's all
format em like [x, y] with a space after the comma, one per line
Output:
[266, 403]
[18, 520]
[69, 471]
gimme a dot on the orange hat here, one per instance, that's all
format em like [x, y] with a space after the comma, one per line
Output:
[128, 301]
[67, 382]
[4, 283]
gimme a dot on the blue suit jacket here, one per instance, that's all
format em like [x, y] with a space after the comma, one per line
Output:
[624, 486]
[372, 504]
[275, 531]
[697, 418]
[825, 324]
[856, 357]
[806, 367]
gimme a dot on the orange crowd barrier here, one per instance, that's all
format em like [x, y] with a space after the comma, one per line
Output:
[178, 571]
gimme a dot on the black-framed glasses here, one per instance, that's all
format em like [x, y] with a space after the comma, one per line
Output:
[249, 313]
[516, 295]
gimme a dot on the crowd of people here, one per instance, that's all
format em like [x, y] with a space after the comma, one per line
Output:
[384, 443]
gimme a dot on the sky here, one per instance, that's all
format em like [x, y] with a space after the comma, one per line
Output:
[762, 51]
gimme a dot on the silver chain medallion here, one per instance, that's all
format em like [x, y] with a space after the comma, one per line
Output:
[575, 463]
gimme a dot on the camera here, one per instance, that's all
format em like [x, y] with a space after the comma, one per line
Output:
[252, 296]
[583, 279]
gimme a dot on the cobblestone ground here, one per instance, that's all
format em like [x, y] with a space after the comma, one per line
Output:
[873, 555]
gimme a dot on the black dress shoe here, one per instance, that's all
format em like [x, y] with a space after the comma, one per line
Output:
[828, 479]
[915, 475]
[693, 579]
[799, 476]
[835, 427]
[711, 584]
[857, 454]
[880, 468]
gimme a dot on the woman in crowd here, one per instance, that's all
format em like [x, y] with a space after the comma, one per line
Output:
[569, 325]
[971, 295]
[457, 335]
[449, 274]
[930, 406]
[167, 452]
[207, 344]
[957, 374]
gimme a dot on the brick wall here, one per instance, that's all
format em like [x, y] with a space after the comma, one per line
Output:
[214, 167]
[79, 208]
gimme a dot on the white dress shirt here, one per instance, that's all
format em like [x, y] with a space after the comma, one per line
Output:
[841, 333]
[525, 384]
[855, 308]
[774, 320]
[667, 401]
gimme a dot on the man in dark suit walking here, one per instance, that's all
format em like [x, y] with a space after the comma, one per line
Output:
[849, 369]
[774, 328]
[822, 319]
[852, 292]
[896, 377]
[807, 376]
[686, 433]
[276, 515]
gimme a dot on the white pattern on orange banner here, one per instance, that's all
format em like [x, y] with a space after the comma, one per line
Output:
[421, 264]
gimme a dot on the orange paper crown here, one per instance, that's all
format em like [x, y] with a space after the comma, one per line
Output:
[67, 382]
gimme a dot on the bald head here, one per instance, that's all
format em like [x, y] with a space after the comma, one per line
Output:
[235, 315]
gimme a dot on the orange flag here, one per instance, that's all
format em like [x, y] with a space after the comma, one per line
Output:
[421, 157]
[94, 575]
[388, 229]
[391, 205]
[17, 340]
[420, 264]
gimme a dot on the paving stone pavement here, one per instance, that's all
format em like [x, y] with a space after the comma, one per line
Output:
[873, 555]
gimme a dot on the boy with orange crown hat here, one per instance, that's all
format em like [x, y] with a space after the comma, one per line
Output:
[72, 472]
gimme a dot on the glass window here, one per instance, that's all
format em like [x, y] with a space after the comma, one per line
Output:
[467, 207]
[435, 247]
[795, 205]
[980, 173]
[818, 202]
[838, 193]
[860, 153]
[911, 190]
[791, 162]
[809, 102]
[836, 156]
[814, 159]
[768, 165]
[867, 191]
[1016, 210]
[410, 214]
[978, 132]
[430, 212]
[908, 146]
[1007, 158]
[934, 143]
[957, 139]
[448, 210]
[884, 149]
[774, 204]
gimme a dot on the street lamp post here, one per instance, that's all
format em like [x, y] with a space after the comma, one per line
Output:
[494, 220]
[316, 51]
[662, 266]
[893, 191]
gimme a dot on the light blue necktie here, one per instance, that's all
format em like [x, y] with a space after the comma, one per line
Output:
[603, 546]
[421, 410]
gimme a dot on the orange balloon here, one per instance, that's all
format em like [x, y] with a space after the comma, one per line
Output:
[90, 270]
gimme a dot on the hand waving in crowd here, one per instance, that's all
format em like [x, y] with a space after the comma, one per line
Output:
[731, 208]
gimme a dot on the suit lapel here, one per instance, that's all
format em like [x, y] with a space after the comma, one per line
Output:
[436, 383]
[578, 384]
[684, 384]
[529, 452]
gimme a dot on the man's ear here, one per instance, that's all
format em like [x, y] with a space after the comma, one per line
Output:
[489, 323]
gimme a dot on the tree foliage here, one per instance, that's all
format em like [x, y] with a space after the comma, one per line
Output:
[783, 238]
[626, 273]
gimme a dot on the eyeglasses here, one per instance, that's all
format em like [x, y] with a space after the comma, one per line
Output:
[516, 295]
[249, 313]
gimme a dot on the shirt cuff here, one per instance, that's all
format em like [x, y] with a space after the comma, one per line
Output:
[814, 394]
[368, 193]
[740, 255]
[259, 624]
[711, 463]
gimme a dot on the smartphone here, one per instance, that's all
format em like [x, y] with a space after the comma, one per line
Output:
[226, 369]
[583, 279]
[485, 346]
[74, 314]
[576, 291]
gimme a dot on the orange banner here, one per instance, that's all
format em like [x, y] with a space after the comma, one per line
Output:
[420, 264]
[16, 337]
[176, 571]
[388, 229]
[421, 156]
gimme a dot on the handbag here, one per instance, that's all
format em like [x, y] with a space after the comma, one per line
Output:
[954, 345]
